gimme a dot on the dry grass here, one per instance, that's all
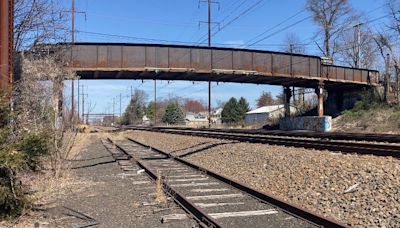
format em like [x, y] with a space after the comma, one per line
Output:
[46, 187]
[160, 196]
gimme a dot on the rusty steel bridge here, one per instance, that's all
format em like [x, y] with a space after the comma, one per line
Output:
[197, 63]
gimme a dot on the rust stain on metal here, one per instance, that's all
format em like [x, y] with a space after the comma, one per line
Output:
[225, 64]
[6, 44]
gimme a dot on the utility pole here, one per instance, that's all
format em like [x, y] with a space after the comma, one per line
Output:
[83, 103]
[131, 93]
[209, 45]
[113, 114]
[209, 22]
[387, 78]
[78, 101]
[120, 106]
[291, 72]
[155, 103]
[358, 48]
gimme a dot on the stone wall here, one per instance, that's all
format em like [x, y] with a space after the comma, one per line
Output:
[311, 123]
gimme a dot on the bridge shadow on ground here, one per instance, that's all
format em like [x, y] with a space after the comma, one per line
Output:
[205, 148]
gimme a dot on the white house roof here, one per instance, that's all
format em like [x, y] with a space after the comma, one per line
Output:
[265, 109]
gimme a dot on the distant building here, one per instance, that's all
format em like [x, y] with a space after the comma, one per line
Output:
[196, 119]
[216, 116]
[145, 120]
[267, 113]
[200, 119]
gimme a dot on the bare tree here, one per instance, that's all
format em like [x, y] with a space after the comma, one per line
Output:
[357, 47]
[388, 44]
[38, 21]
[332, 16]
[39, 102]
[293, 44]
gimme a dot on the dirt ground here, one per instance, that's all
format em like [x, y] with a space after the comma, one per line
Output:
[95, 191]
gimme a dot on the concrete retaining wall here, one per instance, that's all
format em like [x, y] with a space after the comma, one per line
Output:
[312, 123]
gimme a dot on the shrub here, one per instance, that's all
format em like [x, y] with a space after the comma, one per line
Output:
[34, 146]
[12, 199]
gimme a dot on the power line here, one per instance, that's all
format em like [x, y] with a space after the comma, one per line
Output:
[280, 30]
[279, 24]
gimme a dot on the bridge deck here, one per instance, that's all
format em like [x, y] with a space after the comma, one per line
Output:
[176, 62]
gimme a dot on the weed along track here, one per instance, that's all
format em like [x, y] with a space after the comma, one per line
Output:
[212, 199]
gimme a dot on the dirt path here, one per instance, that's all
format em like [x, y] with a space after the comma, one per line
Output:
[102, 194]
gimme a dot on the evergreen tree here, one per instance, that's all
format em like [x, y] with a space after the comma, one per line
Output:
[149, 110]
[230, 112]
[173, 114]
[243, 107]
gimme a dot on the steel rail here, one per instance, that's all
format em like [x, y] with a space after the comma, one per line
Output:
[390, 138]
[198, 214]
[345, 147]
[294, 210]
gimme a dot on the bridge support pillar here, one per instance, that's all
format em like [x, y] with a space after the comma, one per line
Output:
[320, 93]
[288, 93]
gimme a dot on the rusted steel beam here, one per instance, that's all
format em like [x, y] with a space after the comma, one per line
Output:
[111, 57]
[6, 44]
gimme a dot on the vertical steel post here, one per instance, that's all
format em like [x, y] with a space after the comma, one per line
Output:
[6, 45]
[120, 106]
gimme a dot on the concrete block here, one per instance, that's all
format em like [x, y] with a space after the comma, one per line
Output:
[311, 123]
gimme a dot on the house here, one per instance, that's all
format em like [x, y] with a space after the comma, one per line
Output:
[196, 119]
[216, 116]
[267, 113]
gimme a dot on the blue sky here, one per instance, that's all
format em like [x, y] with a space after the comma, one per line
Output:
[175, 21]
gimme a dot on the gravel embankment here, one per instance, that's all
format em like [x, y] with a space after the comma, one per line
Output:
[313, 179]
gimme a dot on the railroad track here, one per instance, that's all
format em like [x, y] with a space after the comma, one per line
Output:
[378, 149]
[212, 199]
[389, 138]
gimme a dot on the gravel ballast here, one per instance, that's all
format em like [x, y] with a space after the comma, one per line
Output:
[359, 190]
